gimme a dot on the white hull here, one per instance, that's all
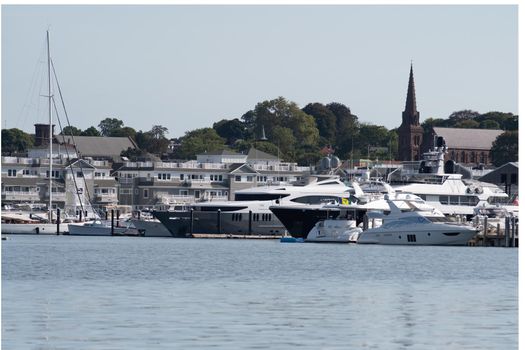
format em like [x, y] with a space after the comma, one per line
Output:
[334, 231]
[448, 235]
[151, 228]
[31, 229]
[100, 230]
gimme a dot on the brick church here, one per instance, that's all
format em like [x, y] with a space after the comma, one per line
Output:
[467, 146]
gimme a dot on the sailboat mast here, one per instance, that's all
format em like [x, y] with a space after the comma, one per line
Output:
[50, 131]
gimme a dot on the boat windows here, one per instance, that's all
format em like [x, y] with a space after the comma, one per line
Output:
[221, 208]
[411, 238]
[316, 199]
[498, 200]
[259, 196]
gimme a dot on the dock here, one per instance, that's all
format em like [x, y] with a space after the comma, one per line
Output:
[232, 236]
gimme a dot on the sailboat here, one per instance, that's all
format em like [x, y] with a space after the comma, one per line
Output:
[25, 223]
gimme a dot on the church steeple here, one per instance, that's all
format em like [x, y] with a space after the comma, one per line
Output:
[410, 131]
[410, 105]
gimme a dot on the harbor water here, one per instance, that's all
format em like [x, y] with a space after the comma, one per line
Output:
[61, 292]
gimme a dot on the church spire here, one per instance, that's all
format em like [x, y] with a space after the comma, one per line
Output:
[410, 105]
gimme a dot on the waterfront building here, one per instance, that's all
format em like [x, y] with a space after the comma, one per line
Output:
[213, 176]
[74, 182]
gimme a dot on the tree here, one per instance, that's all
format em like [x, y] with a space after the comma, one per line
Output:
[123, 132]
[231, 130]
[109, 125]
[15, 141]
[462, 115]
[325, 120]
[505, 148]
[489, 124]
[71, 131]
[347, 129]
[285, 141]
[91, 131]
[198, 141]
[467, 124]
[159, 131]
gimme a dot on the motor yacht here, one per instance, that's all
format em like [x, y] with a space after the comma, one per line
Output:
[250, 212]
[417, 227]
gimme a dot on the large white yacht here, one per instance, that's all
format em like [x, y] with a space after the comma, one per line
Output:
[300, 219]
[417, 227]
[450, 193]
[249, 213]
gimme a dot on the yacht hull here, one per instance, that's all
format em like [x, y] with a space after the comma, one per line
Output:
[300, 221]
[151, 228]
[88, 230]
[180, 224]
[450, 236]
[31, 229]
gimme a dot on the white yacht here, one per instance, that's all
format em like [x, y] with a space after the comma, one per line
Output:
[299, 219]
[417, 227]
[100, 228]
[250, 212]
[450, 193]
[334, 231]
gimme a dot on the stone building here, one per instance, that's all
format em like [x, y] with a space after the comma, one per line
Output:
[410, 132]
[469, 147]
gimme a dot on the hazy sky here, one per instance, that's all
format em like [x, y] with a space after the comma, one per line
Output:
[185, 67]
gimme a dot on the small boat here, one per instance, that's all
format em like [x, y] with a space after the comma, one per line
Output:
[417, 227]
[101, 228]
[25, 223]
[334, 231]
[288, 239]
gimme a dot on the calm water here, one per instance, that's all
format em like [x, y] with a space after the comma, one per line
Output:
[61, 292]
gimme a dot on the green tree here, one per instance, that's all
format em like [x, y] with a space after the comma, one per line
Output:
[71, 130]
[325, 121]
[109, 125]
[489, 124]
[285, 141]
[467, 124]
[198, 141]
[91, 131]
[459, 116]
[15, 141]
[159, 131]
[347, 126]
[123, 132]
[231, 130]
[505, 148]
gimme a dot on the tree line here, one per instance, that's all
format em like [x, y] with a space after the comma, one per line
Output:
[282, 128]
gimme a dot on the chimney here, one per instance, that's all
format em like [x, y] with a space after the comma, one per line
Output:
[42, 134]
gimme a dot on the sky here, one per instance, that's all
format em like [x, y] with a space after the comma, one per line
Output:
[185, 67]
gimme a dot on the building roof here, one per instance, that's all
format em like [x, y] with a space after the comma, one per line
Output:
[100, 146]
[255, 154]
[224, 152]
[468, 138]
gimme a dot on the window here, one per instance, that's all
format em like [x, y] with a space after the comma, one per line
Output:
[249, 178]
[55, 174]
[146, 193]
[182, 176]
[411, 238]
[79, 174]
[12, 173]
[164, 176]
[125, 191]
[513, 178]
[237, 178]
[183, 192]
[503, 178]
